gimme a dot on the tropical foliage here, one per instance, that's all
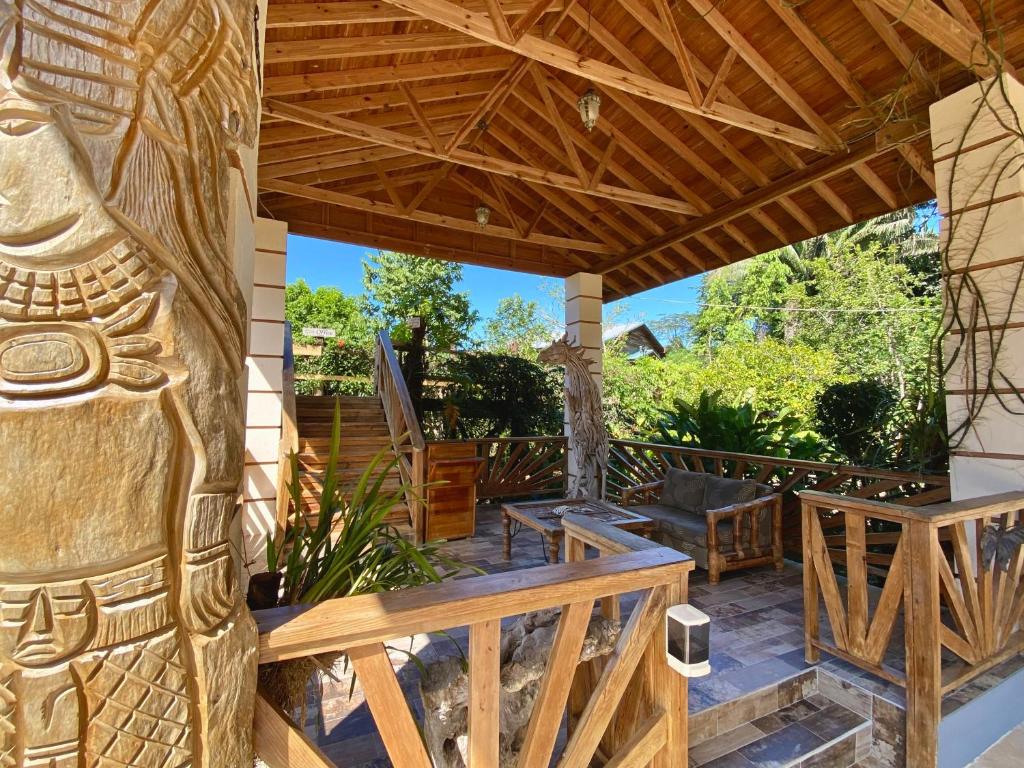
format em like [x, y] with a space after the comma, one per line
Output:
[710, 423]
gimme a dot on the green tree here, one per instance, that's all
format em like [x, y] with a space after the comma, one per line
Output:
[326, 307]
[399, 286]
[516, 327]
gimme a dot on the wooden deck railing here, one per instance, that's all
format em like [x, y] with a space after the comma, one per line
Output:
[632, 711]
[927, 563]
[517, 467]
[632, 463]
[404, 427]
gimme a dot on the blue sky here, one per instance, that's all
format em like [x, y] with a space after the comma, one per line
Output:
[320, 262]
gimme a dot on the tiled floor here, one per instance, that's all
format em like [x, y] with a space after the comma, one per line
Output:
[815, 727]
[757, 641]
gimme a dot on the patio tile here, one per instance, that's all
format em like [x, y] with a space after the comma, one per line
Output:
[839, 755]
[782, 747]
[832, 722]
[724, 743]
[731, 760]
[794, 713]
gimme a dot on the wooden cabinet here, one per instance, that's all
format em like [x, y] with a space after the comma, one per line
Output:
[452, 470]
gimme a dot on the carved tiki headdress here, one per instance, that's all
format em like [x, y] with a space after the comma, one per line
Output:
[150, 101]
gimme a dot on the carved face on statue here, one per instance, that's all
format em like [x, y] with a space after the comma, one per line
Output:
[121, 342]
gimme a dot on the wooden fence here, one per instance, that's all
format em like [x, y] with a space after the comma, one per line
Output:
[632, 463]
[631, 711]
[519, 467]
[933, 576]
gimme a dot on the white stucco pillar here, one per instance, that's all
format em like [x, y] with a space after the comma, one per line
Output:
[265, 364]
[583, 303]
[980, 189]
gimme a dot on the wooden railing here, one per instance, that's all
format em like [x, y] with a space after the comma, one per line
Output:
[926, 566]
[632, 463]
[629, 710]
[404, 427]
[289, 431]
[518, 467]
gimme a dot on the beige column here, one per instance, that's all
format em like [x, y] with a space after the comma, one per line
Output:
[977, 146]
[583, 305]
[265, 365]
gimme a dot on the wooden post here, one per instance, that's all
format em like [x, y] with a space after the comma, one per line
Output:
[670, 691]
[811, 653]
[923, 646]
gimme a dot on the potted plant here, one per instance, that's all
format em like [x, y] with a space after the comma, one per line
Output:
[345, 548]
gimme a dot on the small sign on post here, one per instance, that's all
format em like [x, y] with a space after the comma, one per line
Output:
[320, 333]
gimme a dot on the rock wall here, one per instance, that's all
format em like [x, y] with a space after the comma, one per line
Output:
[123, 638]
[525, 646]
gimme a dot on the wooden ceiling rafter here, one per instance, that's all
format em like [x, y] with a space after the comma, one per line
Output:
[621, 52]
[275, 86]
[781, 149]
[296, 15]
[393, 210]
[405, 115]
[825, 168]
[478, 26]
[963, 44]
[637, 219]
[385, 137]
[709, 132]
[623, 174]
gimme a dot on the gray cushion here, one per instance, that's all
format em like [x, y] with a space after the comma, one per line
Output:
[684, 490]
[685, 526]
[722, 492]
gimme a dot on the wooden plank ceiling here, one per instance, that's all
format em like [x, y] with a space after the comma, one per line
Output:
[727, 127]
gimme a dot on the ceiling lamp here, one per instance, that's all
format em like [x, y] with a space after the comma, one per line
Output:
[483, 215]
[590, 106]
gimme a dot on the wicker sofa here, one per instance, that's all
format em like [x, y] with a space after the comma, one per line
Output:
[724, 524]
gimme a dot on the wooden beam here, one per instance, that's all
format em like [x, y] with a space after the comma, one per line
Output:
[283, 85]
[466, 252]
[478, 26]
[531, 17]
[794, 182]
[284, 51]
[709, 11]
[888, 34]
[292, 15]
[540, 79]
[681, 52]
[944, 32]
[384, 137]
[421, 118]
[344, 200]
[491, 103]
[719, 79]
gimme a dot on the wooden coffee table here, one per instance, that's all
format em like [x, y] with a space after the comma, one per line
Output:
[540, 516]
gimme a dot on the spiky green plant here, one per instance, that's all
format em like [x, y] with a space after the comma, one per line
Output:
[349, 548]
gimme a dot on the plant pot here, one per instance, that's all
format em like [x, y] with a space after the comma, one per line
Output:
[263, 592]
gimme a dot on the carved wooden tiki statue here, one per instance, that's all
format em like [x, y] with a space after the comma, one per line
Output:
[123, 640]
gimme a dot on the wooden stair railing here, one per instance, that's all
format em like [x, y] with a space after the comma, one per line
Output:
[950, 600]
[404, 428]
[629, 710]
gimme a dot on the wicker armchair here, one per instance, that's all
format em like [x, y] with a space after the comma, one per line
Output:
[719, 537]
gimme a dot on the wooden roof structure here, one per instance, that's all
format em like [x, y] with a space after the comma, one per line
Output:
[727, 127]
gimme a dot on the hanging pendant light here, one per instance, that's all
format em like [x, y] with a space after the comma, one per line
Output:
[589, 103]
[483, 215]
[590, 107]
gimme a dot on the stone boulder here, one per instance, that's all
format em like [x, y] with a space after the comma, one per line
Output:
[525, 646]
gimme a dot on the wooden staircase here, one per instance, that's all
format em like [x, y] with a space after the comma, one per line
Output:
[364, 433]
